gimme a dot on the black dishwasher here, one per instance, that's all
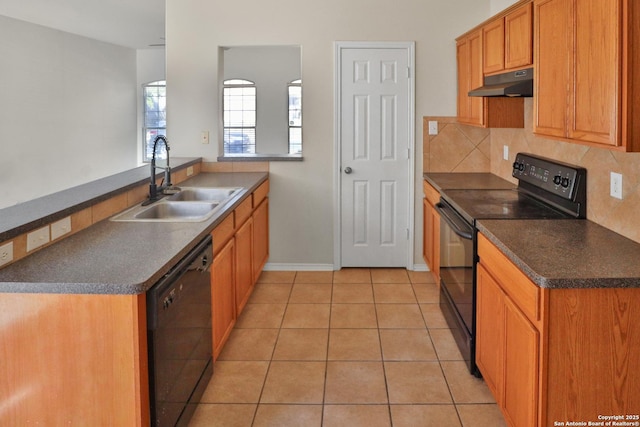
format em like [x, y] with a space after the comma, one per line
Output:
[179, 338]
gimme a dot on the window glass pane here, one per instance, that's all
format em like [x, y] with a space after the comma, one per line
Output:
[295, 140]
[239, 117]
[155, 117]
[295, 117]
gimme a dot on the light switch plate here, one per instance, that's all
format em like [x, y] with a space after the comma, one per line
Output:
[204, 136]
[433, 127]
[37, 238]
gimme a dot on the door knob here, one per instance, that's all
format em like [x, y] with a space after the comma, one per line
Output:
[348, 170]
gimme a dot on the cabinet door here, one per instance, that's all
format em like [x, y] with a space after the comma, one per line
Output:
[223, 303]
[490, 347]
[431, 238]
[594, 107]
[462, 55]
[518, 38]
[244, 264]
[476, 78]
[553, 42]
[494, 52]
[260, 238]
[521, 364]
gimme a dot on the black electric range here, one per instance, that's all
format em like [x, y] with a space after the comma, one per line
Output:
[546, 189]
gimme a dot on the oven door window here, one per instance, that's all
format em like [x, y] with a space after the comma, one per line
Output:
[456, 264]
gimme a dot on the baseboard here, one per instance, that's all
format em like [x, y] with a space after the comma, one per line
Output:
[297, 267]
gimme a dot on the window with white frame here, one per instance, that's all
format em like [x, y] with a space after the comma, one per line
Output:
[239, 116]
[155, 116]
[295, 117]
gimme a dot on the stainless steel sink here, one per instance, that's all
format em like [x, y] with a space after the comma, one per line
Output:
[169, 211]
[190, 194]
[190, 204]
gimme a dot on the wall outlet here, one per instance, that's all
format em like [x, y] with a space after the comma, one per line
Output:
[37, 238]
[6, 253]
[505, 152]
[189, 170]
[616, 185]
[204, 136]
[433, 127]
[60, 228]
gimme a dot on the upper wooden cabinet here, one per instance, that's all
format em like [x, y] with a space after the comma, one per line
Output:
[586, 86]
[470, 76]
[508, 41]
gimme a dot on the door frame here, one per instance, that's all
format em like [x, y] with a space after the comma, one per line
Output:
[339, 46]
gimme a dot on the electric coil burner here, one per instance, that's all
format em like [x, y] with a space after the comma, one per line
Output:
[547, 189]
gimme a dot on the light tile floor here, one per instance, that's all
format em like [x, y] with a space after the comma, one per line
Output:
[355, 347]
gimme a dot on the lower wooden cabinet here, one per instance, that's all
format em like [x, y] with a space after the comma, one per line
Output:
[260, 237]
[555, 355]
[223, 301]
[244, 264]
[431, 229]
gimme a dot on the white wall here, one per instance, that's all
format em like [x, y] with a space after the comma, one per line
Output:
[301, 209]
[500, 5]
[67, 110]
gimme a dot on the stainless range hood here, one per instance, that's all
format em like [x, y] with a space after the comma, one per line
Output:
[514, 83]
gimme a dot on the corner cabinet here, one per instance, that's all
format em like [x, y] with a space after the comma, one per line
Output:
[240, 251]
[587, 72]
[431, 230]
[552, 355]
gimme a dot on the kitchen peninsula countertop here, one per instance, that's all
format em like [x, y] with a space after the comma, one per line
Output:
[121, 257]
[567, 253]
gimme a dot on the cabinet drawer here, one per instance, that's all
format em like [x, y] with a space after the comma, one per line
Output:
[222, 233]
[260, 193]
[431, 194]
[243, 211]
[524, 293]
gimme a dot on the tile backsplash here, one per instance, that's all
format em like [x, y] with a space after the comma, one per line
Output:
[462, 148]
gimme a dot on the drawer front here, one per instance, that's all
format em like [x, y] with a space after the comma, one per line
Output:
[524, 293]
[243, 211]
[222, 233]
[260, 193]
[431, 194]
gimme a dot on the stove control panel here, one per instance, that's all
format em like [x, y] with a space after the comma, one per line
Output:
[552, 176]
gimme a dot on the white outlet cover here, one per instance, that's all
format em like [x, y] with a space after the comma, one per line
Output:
[505, 152]
[433, 127]
[616, 185]
[37, 238]
[6, 253]
[60, 228]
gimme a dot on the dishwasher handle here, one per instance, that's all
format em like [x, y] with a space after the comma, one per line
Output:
[457, 224]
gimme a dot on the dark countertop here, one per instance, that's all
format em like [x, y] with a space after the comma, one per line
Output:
[467, 181]
[27, 216]
[567, 253]
[121, 257]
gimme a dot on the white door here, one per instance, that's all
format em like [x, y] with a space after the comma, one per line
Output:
[375, 148]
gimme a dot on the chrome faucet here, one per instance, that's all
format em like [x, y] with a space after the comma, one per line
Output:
[166, 187]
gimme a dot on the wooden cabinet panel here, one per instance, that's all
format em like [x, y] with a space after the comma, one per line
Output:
[243, 211]
[470, 76]
[490, 331]
[222, 233]
[494, 48]
[73, 360]
[260, 237]
[585, 81]
[431, 238]
[244, 264]
[518, 38]
[521, 354]
[553, 41]
[223, 302]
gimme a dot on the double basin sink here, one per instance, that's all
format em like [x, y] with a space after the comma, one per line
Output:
[190, 204]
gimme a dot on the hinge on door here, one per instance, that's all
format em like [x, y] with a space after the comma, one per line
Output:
[409, 153]
[407, 234]
[408, 72]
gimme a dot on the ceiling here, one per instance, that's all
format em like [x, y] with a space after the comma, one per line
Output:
[132, 23]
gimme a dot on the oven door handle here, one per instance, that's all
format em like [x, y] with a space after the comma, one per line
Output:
[458, 225]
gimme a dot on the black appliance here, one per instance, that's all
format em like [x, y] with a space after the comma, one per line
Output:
[179, 334]
[546, 189]
[513, 83]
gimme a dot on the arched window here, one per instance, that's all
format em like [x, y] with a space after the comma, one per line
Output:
[155, 115]
[295, 117]
[239, 107]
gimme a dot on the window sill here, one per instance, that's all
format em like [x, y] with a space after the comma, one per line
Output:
[261, 158]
